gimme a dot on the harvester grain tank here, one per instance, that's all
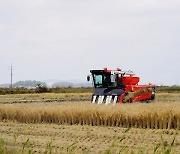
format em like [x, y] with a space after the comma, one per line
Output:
[119, 86]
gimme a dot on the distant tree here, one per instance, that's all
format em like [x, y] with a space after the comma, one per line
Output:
[40, 88]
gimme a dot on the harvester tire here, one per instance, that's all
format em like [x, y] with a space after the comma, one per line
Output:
[152, 96]
[123, 100]
[127, 100]
[147, 101]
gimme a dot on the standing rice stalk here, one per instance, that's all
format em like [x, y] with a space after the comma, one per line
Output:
[158, 116]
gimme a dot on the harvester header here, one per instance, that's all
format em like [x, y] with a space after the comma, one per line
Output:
[119, 86]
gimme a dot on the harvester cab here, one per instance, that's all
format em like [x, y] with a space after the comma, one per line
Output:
[119, 86]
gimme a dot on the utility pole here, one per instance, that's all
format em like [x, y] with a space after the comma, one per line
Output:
[11, 76]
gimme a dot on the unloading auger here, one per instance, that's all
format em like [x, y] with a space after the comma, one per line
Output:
[119, 86]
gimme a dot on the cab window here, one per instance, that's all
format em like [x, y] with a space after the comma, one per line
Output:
[98, 80]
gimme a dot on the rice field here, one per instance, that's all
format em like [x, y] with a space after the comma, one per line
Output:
[16, 138]
[154, 116]
[65, 109]
[74, 125]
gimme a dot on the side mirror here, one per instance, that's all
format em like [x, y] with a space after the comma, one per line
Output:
[88, 78]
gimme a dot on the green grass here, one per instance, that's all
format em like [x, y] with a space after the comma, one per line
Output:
[28, 147]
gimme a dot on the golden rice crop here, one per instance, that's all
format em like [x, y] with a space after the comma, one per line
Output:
[153, 115]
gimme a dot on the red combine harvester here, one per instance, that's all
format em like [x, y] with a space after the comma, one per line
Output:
[118, 86]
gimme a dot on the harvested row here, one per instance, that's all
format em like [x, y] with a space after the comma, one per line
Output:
[153, 116]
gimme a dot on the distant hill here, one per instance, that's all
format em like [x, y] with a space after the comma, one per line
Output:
[49, 83]
[62, 84]
[83, 84]
[5, 85]
[69, 84]
[28, 83]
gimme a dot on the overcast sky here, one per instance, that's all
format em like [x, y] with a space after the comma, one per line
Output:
[64, 39]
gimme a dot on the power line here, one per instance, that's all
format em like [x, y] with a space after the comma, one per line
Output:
[11, 76]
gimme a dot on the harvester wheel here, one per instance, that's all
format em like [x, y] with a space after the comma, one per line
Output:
[127, 100]
[147, 101]
[124, 101]
[153, 96]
